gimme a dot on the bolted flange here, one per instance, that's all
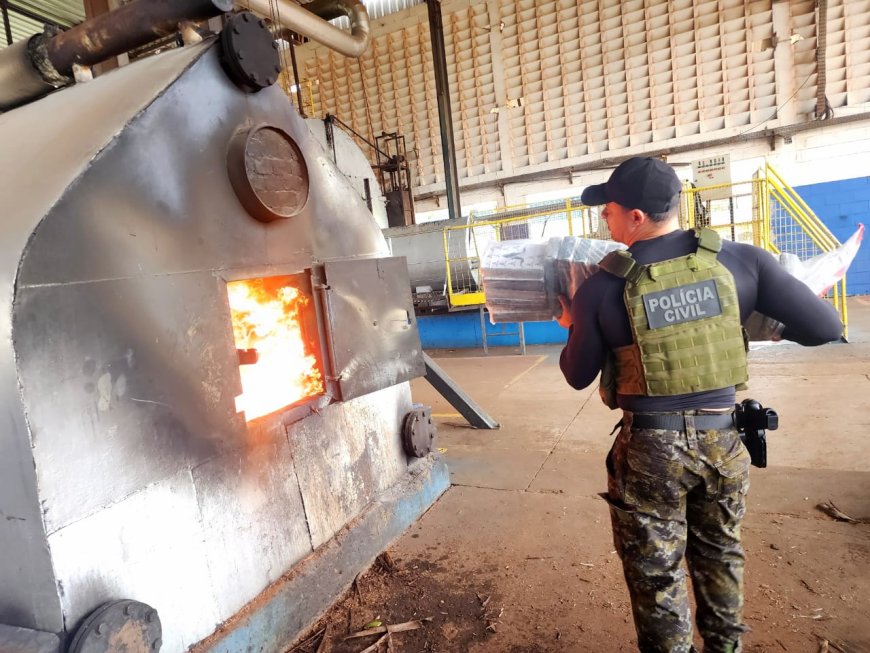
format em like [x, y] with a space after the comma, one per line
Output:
[249, 54]
[119, 627]
[418, 431]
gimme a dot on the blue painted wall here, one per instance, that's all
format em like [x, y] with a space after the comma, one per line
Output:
[842, 205]
[462, 331]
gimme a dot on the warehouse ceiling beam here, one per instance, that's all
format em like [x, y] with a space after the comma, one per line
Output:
[611, 162]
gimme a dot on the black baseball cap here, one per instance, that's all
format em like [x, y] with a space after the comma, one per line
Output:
[637, 183]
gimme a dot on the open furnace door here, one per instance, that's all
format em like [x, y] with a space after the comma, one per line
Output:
[372, 329]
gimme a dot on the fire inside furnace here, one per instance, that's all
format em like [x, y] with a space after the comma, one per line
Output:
[272, 326]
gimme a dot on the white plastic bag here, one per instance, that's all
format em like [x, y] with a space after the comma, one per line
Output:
[819, 273]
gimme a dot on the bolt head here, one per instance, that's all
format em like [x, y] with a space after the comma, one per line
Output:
[102, 628]
[278, 69]
[274, 45]
[270, 80]
[246, 17]
[157, 644]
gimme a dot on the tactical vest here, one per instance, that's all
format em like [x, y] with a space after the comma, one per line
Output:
[685, 319]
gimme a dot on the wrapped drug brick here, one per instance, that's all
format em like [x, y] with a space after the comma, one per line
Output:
[522, 279]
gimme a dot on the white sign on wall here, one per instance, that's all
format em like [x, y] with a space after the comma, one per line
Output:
[712, 172]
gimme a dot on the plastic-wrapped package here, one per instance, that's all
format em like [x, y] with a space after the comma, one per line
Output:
[820, 273]
[522, 279]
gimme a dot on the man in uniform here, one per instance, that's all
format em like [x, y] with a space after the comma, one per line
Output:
[663, 322]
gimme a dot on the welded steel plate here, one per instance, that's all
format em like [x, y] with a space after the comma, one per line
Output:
[372, 326]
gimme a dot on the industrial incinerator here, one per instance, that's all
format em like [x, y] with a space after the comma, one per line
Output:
[206, 349]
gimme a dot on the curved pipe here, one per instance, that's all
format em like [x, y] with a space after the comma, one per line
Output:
[311, 20]
[130, 26]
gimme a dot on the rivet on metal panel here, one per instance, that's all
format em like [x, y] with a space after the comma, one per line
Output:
[152, 616]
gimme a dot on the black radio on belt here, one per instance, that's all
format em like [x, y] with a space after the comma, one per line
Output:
[752, 420]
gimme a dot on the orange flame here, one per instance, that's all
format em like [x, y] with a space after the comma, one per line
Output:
[267, 317]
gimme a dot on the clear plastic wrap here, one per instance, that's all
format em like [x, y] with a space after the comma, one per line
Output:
[819, 273]
[522, 279]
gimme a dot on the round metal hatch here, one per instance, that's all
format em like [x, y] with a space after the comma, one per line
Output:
[268, 173]
[418, 431]
[119, 627]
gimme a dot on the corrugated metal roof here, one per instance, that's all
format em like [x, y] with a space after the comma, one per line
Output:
[58, 12]
[380, 8]
[62, 12]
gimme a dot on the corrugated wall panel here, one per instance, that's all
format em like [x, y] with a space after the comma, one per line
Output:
[537, 85]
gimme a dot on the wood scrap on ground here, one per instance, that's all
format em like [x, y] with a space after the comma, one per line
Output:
[833, 511]
[304, 644]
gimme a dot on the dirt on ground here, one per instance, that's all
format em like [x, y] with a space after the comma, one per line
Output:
[413, 594]
[799, 597]
[517, 556]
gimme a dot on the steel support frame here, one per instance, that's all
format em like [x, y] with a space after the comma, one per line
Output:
[456, 396]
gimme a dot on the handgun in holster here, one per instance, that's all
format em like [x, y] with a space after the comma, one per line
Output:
[752, 420]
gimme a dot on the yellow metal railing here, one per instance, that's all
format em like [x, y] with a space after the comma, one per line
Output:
[463, 244]
[786, 208]
[764, 211]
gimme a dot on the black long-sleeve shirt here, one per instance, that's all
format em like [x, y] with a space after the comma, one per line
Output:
[601, 319]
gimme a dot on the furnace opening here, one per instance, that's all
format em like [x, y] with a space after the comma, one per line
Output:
[275, 330]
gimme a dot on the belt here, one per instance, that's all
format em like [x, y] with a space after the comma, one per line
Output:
[678, 422]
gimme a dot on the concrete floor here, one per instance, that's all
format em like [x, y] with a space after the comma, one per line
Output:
[523, 521]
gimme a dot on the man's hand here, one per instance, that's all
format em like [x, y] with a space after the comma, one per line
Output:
[565, 319]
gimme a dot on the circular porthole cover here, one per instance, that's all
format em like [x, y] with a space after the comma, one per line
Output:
[119, 627]
[268, 173]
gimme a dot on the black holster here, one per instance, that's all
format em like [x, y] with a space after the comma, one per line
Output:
[752, 420]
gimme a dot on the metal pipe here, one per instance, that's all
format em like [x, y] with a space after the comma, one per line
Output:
[26, 73]
[32, 68]
[311, 21]
[296, 80]
[131, 26]
[445, 117]
[7, 26]
[823, 108]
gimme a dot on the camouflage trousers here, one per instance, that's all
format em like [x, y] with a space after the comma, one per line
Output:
[676, 494]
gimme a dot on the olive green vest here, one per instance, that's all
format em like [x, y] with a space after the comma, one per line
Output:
[685, 320]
